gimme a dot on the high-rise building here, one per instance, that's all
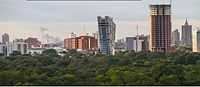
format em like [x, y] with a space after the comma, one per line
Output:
[5, 38]
[186, 34]
[138, 43]
[107, 29]
[175, 38]
[160, 22]
[196, 41]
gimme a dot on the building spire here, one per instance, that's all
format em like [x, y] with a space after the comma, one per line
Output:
[186, 21]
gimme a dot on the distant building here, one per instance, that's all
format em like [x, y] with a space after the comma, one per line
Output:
[145, 43]
[81, 43]
[71, 43]
[120, 45]
[5, 38]
[160, 21]
[138, 43]
[59, 50]
[96, 36]
[33, 42]
[3, 49]
[175, 38]
[196, 41]
[186, 34]
[107, 29]
[20, 46]
[87, 43]
[35, 51]
[46, 46]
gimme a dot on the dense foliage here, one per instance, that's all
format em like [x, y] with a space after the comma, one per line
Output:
[125, 68]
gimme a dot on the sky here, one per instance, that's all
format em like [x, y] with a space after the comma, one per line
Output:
[21, 18]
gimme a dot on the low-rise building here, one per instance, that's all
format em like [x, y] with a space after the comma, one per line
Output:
[35, 51]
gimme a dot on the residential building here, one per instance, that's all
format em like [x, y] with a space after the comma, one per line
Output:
[87, 43]
[107, 29]
[81, 43]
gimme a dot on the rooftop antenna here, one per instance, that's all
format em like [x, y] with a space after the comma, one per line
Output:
[137, 29]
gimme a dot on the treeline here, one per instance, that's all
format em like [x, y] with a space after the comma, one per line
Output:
[125, 68]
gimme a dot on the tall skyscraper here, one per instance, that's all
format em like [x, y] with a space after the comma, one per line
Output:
[175, 38]
[107, 29]
[186, 34]
[196, 41]
[160, 21]
[5, 38]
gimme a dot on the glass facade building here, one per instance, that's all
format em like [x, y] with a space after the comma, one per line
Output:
[107, 29]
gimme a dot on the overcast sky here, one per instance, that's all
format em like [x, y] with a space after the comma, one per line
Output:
[21, 18]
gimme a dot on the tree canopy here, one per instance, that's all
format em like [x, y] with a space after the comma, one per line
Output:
[125, 68]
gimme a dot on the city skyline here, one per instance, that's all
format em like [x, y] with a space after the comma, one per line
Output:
[28, 17]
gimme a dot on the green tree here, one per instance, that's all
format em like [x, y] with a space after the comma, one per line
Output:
[50, 52]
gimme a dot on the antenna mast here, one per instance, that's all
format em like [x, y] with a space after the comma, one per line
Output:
[137, 39]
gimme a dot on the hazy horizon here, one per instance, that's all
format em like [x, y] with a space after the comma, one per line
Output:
[22, 19]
